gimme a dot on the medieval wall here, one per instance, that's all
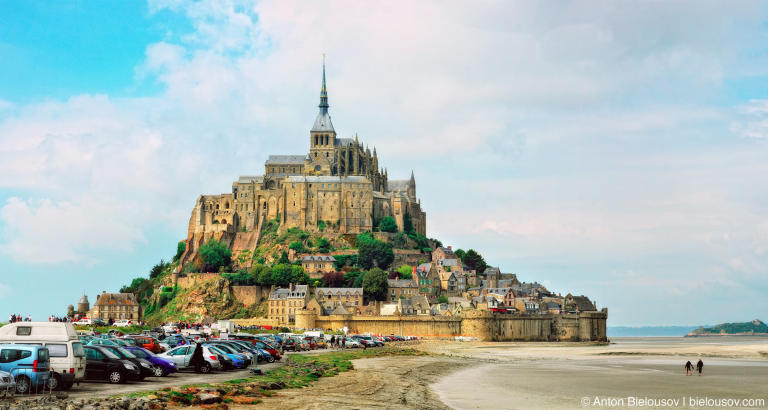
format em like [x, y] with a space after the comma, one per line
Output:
[193, 279]
[481, 324]
[251, 295]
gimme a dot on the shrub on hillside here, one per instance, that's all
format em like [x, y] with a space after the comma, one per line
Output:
[215, 255]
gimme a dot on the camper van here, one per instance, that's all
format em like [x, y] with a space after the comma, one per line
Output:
[66, 352]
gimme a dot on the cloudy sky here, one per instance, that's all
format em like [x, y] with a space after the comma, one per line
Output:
[617, 150]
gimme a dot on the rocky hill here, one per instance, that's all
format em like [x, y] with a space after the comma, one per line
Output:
[754, 327]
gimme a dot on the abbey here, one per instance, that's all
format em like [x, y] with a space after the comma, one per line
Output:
[338, 186]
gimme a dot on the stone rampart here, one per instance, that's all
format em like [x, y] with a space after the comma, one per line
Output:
[192, 279]
[481, 324]
[250, 295]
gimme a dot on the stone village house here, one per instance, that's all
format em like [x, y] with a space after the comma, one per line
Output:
[285, 302]
[317, 265]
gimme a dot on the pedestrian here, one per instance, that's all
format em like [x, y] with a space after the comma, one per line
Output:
[197, 360]
[333, 341]
[688, 368]
[700, 366]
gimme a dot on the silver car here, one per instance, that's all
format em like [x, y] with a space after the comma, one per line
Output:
[181, 355]
[7, 383]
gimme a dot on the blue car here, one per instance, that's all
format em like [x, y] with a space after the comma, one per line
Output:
[162, 367]
[29, 365]
[238, 360]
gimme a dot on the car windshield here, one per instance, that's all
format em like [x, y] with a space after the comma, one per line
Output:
[216, 350]
[138, 353]
[124, 354]
[226, 348]
[110, 354]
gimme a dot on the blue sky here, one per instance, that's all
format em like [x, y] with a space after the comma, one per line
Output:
[617, 151]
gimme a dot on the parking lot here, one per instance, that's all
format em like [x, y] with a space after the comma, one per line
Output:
[91, 389]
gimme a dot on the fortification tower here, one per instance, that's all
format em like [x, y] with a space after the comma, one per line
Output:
[83, 306]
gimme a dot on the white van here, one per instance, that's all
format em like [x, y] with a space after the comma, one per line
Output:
[66, 351]
[318, 334]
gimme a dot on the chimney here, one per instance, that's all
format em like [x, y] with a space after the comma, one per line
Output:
[414, 270]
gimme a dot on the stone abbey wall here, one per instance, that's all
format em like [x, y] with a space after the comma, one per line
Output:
[481, 324]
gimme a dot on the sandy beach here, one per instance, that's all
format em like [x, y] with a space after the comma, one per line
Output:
[472, 375]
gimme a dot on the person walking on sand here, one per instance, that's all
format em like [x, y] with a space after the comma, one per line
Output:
[699, 366]
[689, 368]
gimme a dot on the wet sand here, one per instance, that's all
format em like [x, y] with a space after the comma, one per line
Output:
[519, 376]
[473, 375]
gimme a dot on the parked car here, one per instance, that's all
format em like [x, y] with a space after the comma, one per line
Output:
[161, 366]
[145, 367]
[149, 343]
[181, 356]
[29, 365]
[171, 328]
[229, 361]
[102, 364]
[244, 350]
[7, 382]
[274, 353]
[311, 342]
[83, 322]
[65, 350]
[352, 343]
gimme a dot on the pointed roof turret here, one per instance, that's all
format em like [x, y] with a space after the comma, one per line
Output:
[374, 151]
[413, 180]
[323, 120]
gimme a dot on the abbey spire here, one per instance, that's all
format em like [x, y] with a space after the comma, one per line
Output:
[323, 93]
[323, 121]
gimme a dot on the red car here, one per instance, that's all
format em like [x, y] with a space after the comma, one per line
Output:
[311, 342]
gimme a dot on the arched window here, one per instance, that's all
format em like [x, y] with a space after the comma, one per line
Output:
[226, 205]
[217, 206]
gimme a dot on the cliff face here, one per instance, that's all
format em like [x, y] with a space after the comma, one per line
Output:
[206, 301]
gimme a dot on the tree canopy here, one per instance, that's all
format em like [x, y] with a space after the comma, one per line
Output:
[375, 284]
[373, 253]
[215, 255]
[388, 224]
[405, 271]
[180, 248]
[475, 261]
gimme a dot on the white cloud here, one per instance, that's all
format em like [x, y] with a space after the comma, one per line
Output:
[589, 136]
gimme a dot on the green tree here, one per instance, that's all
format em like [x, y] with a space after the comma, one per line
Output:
[374, 253]
[388, 224]
[320, 225]
[400, 241]
[281, 275]
[265, 276]
[375, 284]
[323, 245]
[442, 299]
[475, 261]
[405, 271]
[460, 254]
[180, 248]
[215, 255]
[157, 269]
[298, 276]
[408, 223]
[351, 279]
[283, 258]
[297, 246]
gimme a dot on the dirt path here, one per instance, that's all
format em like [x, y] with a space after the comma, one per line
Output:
[383, 383]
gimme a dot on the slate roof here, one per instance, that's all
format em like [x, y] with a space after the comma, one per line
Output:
[499, 291]
[318, 258]
[323, 123]
[286, 159]
[338, 291]
[116, 299]
[247, 179]
[299, 291]
[401, 283]
[326, 178]
[423, 269]
[397, 185]
[343, 142]
[449, 262]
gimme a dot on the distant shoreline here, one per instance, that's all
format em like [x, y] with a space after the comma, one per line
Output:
[725, 334]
